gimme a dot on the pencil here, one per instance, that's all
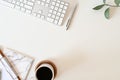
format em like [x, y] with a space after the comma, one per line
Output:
[11, 66]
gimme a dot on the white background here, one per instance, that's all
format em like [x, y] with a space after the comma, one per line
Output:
[89, 50]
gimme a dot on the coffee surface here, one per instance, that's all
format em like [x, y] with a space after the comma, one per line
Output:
[44, 73]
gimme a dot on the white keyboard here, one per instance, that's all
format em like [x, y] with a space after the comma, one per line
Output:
[49, 10]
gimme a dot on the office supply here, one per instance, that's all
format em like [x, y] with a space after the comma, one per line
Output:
[21, 62]
[50, 10]
[6, 62]
[0, 74]
[70, 18]
[7, 73]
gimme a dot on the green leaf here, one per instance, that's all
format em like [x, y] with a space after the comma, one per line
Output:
[117, 2]
[104, 1]
[98, 7]
[107, 13]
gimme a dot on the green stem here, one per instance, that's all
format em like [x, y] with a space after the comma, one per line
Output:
[111, 5]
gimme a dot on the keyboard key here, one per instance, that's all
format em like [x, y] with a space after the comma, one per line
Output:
[55, 21]
[21, 0]
[30, 3]
[38, 15]
[54, 12]
[57, 17]
[50, 19]
[18, 3]
[50, 11]
[43, 0]
[66, 4]
[58, 1]
[62, 3]
[17, 7]
[28, 11]
[38, 2]
[57, 4]
[65, 7]
[13, 1]
[53, 16]
[28, 7]
[7, 4]
[23, 9]
[55, 0]
[60, 10]
[46, 5]
[63, 11]
[56, 8]
[61, 19]
[9, 1]
[53, 3]
[21, 4]
[42, 3]
[34, 14]
[42, 17]
[52, 7]
[40, 12]
[49, 15]
[60, 22]
[33, 0]
[62, 15]
[58, 14]
[25, 1]
[48, 1]
[61, 6]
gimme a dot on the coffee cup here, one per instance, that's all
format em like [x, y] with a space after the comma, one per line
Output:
[45, 70]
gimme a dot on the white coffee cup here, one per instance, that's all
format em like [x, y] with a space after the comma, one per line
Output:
[45, 70]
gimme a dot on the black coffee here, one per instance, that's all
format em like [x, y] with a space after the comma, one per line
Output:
[44, 73]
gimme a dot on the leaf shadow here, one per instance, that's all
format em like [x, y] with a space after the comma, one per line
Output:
[112, 11]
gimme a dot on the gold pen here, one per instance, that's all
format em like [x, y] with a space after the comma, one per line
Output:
[70, 18]
[8, 63]
[0, 74]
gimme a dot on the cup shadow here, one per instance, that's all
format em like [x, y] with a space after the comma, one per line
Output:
[69, 61]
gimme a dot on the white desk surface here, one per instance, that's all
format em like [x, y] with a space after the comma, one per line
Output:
[89, 50]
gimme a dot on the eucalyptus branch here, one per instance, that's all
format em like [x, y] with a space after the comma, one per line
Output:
[107, 11]
[111, 5]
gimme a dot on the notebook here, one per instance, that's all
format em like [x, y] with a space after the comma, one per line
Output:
[21, 62]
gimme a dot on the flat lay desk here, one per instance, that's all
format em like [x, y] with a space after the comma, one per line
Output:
[89, 50]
